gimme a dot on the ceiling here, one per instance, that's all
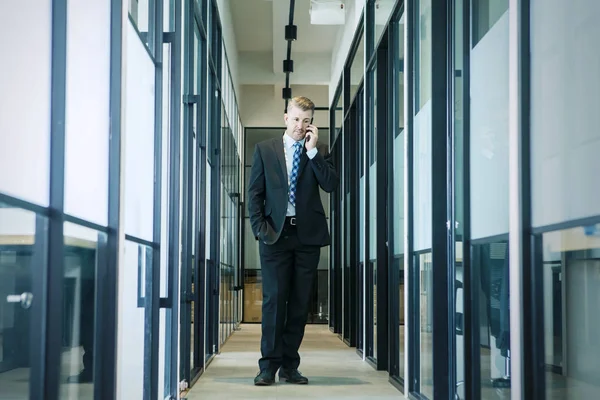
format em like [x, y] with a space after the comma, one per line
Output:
[259, 27]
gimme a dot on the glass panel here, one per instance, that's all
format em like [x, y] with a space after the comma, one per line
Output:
[166, 117]
[565, 99]
[383, 10]
[485, 14]
[140, 13]
[252, 296]
[87, 110]
[426, 324]
[458, 197]
[139, 140]
[397, 209]
[492, 262]
[339, 114]
[163, 369]
[423, 55]
[25, 114]
[82, 247]
[168, 15]
[489, 189]
[17, 252]
[422, 132]
[570, 260]
[357, 69]
[130, 354]
[489, 131]
[372, 250]
[374, 273]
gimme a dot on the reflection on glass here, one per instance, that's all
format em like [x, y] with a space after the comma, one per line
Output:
[489, 185]
[491, 260]
[398, 193]
[82, 246]
[565, 139]
[17, 250]
[357, 69]
[570, 260]
[426, 324]
[383, 10]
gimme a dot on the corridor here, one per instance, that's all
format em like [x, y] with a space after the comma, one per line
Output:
[335, 371]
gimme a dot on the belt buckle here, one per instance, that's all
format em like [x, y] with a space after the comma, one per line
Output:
[293, 221]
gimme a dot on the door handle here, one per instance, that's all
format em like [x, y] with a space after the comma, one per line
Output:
[24, 298]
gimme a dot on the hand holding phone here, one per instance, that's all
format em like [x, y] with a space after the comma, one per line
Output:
[311, 138]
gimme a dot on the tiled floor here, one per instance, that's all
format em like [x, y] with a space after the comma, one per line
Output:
[335, 371]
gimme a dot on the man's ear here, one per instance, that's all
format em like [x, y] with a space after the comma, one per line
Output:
[285, 117]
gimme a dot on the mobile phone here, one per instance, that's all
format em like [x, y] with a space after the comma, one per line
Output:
[309, 130]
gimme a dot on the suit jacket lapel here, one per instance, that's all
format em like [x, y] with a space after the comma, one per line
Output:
[278, 146]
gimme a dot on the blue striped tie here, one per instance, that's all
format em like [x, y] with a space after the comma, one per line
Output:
[294, 173]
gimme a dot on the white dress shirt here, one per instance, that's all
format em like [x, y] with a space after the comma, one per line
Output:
[288, 143]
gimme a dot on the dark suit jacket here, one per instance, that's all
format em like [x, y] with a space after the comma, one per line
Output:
[268, 193]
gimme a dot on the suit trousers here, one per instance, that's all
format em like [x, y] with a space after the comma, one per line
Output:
[289, 269]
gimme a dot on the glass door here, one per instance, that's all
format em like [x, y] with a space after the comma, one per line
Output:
[194, 204]
[21, 260]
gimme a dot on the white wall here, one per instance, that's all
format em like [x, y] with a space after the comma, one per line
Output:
[309, 68]
[565, 96]
[262, 105]
[25, 100]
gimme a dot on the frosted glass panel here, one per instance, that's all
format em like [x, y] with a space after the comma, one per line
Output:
[25, 99]
[422, 179]
[139, 139]
[361, 222]
[489, 132]
[565, 97]
[130, 350]
[398, 206]
[87, 110]
[373, 211]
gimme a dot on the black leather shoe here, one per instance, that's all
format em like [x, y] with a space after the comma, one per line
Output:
[84, 376]
[264, 378]
[292, 376]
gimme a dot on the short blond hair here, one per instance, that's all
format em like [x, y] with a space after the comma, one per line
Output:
[303, 103]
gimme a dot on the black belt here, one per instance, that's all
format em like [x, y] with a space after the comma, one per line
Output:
[290, 221]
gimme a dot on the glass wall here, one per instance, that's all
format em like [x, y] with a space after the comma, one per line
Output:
[565, 144]
[398, 172]
[230, 205]
[489, 167]
[550, 109]
[421, 190]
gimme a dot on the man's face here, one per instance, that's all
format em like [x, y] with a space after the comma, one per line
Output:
[297, 121]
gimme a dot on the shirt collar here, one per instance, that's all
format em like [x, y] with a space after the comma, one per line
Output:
[289, 142]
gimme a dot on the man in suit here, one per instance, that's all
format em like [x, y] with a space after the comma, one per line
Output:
[288, 220]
